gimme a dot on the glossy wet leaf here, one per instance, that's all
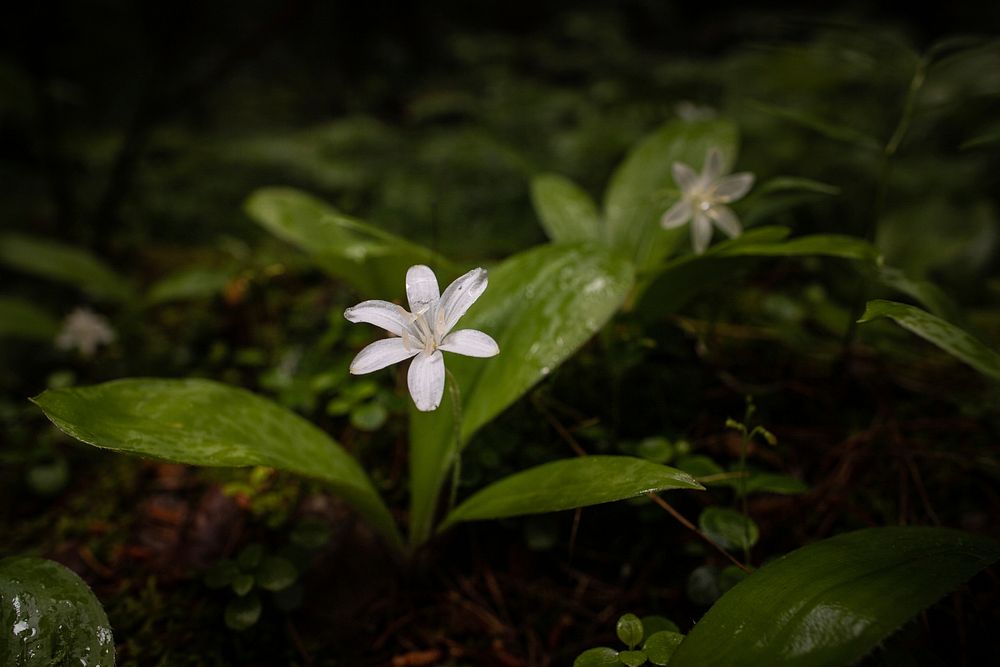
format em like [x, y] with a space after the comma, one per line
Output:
[64, 264]
[541, 306]
[188, 284]
[945, 335]
[598, 657]
[643, 187]
[829, 603]
[728, 528]
[629, 630]
[49, 616]
[660, 646]
[371, 259]
[22, 319]
[570, 483]
[566, 212]
[200, 422]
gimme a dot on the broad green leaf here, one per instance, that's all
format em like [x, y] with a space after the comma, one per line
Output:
[372, 260]
[632, 658]
[23, 319]
[829, 603]
[677, 281]
[570, 483]
[945, 335]
[654, 624]
[65, 264]
[243, 612]
[49, 616]
[567, 213]
[200, 422]
[729, 528]
[275, 573]
[541, 306]
[188, 284]
[643, 188]
[598, 657]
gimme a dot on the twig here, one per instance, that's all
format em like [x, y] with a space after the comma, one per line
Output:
[690, 526]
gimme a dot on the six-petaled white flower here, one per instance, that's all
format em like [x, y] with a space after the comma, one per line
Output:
[424, 331]
[703, 199]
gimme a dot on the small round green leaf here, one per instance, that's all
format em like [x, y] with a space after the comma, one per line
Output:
[653, 624]
[657, 450]
[598, 657]
[729, 528]
[242, 613]
[276, 573]
[629, 630]
[250, 557]
[369, 416]
[632, 658]
[242, 584]
[660, 646]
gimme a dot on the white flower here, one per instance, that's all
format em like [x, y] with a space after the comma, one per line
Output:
[704, 197]
[85, 331]
[423, 333]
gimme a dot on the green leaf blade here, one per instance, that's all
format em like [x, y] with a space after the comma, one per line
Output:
[945, 335]
[371, 259]
[24, 320]
[64, 264]
[570, 483]
[48, 616]
[566, 212]
[829, 603]
[200, 422]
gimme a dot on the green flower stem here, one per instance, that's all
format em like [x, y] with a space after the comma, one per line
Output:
[456, 415]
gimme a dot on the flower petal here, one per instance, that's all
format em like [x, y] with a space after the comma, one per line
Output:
[471, 343]
[726, 220]
[421, 287]
[458, 297]
[732, 187]
[701, 232]
[685, 177]
[677, 214]
[380, 354]
[426, 380]
[389, 316]
[713, 165]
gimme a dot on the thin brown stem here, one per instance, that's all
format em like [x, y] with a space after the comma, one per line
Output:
[693, 528]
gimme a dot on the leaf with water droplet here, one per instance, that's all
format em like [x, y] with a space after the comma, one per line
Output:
[200, 422]
[829, 603]
[629, 630]
[50, 616]
[661, 646]
[945, 335]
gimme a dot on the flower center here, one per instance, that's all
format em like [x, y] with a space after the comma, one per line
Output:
[426, 333]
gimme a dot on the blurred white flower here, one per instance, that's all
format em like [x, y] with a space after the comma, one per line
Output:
[703, 199]
[423, 333]
[84, 330]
